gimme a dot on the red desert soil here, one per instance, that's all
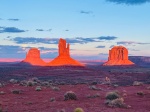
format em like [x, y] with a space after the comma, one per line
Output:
[39, 101]
[76, 79]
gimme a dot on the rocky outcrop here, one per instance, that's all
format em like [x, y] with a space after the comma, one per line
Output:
[118, 55]
[64, 56]
[33, 57]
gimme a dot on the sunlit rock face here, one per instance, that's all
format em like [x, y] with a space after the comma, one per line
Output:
[118, 55]
[33, 57]
[64, 56]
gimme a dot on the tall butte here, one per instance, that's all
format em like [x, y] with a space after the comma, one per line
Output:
[64, 56]
[118, 55]
[33, 57]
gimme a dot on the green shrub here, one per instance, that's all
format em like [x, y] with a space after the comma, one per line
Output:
[78, 110]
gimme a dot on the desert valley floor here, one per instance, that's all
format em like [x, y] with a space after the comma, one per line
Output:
[85, 82]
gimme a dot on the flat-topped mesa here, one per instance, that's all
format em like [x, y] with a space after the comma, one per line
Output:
[33, 57]
[118, 55]
[63, 57]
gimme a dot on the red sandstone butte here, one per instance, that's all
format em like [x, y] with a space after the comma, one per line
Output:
[118, 55]
[33, 57]
[64, 56]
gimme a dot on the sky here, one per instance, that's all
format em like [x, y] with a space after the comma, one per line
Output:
[92, 27]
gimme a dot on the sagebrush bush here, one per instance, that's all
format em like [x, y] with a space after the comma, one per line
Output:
[38, 88]
[55, 88]
[136, 83]
[112, 95]
[93, 87]
[16, 91]
[140, 93]
[70, 96]
[52, 99]
[119, 102]
[2, 93]
[30, 83]
[13, 81]
[78, 110]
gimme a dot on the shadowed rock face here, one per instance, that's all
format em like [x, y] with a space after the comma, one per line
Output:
[64, 56]
[33, 57]
[118, 55]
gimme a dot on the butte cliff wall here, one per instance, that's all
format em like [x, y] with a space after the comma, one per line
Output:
[118, 55]
[64, 57]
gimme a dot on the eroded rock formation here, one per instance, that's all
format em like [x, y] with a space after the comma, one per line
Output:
[33, 57]
[118, 55]
[64, 56]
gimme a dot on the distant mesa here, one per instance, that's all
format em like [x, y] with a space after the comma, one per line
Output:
[64, 56]
[118, 55]
[33, 57]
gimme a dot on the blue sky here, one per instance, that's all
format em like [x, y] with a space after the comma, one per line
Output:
[92, 27]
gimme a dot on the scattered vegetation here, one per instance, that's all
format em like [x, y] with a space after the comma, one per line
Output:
[38, 88]
[93, 87]
[78, 110]
[115, 85]
[112, 95]
[23, 83]
[113, 99]
[69, 95]
[13, 81]
[55, 88]
[94, 83]
[45, 83]
[16, 91]
[136, 83]
[52, 99]
[30, 83]
[119, 102]
[2, 93]
[140, 93]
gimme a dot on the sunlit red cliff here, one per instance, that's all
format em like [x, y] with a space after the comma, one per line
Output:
[64, 56]
[118, 55]
[33, 57]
